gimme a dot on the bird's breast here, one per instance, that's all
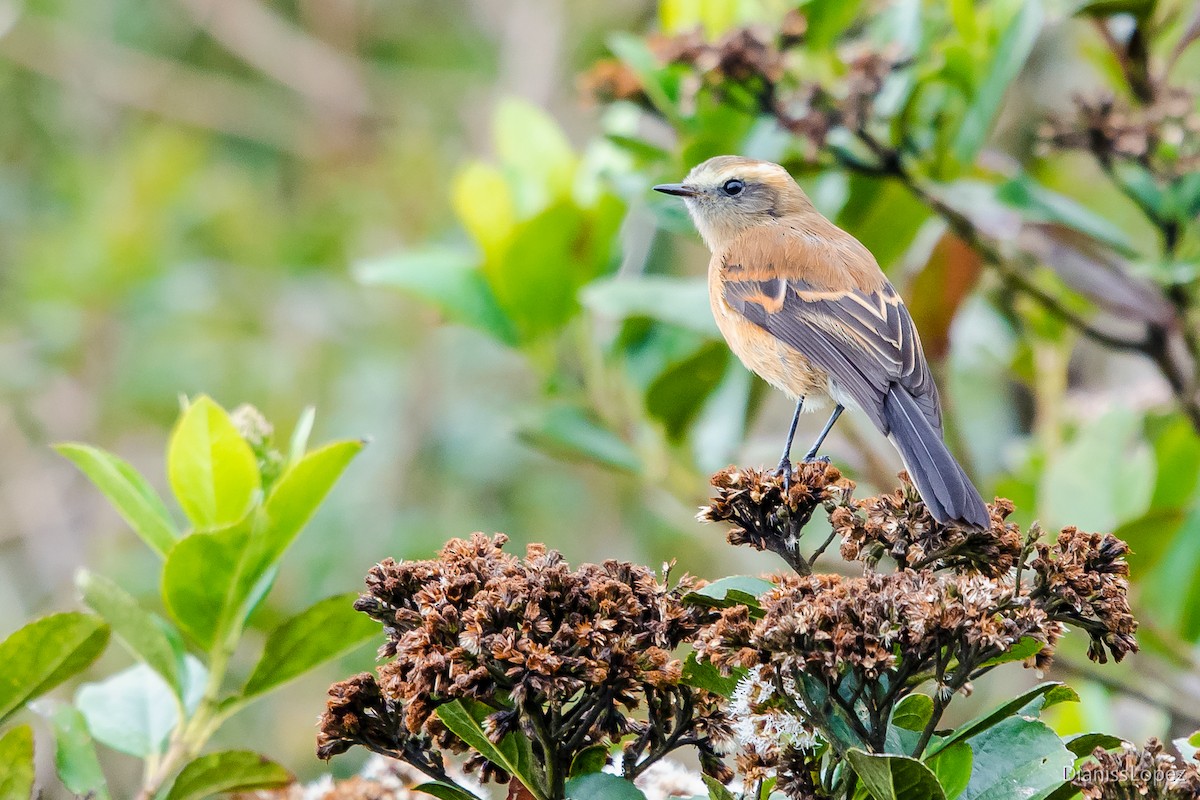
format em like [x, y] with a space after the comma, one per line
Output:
[777, 363]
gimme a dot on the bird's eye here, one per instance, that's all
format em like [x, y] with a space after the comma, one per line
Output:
[733, 187]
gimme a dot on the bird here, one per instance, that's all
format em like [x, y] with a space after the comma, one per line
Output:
[805, 305]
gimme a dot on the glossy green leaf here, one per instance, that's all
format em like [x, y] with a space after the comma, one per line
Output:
[16, 763]
[204, 584]
[447, 278]
[45, 653]
[675, 301]
[731, 591]
[602, 786]
[1007, 61]
[140, 631]
[952, 768]
[1018, 757]
[1084, 743]
[465, 719]
[1106, 8]
[444, 791]
[326, 630]
[228, 771]
[75, 757]
[571, 434]
[889, 777]
[913, 712]
[703, 675]
[212, 469]
[996, 715]
[716, 790]
[589, 760]
[297, 494]
[1026, 647]
[130, 494]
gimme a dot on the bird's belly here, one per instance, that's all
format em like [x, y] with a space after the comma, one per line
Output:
[782, 366]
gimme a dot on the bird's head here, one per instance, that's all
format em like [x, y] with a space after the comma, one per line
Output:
[728, 194]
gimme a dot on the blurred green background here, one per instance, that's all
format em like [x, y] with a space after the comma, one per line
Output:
[409, 215]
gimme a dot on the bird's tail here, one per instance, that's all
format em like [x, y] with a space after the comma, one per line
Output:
[945, 488]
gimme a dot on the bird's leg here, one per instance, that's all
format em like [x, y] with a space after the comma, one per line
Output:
[785, 463]
[812, 453]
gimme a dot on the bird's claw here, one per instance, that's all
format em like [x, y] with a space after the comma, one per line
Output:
[813, 459]
[784, 470]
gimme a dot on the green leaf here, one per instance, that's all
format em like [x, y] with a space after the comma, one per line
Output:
[212, 469]
[1018, 757]
[16, 763]
[828, 20]
[703, 675]
[203, 584]
[537, 277]
[1007, 61]
[1141, 9]
[716, 790]
[1038, 203]
[913, 712]
[1104, 476]
[589, 760]
[1084, 743]
[133, 711]
[678, 394]
[602, 786]
[298, 493]
[895, 777]
[232, 770]
[996, 715]
[952, 768]
[571, 434]
[130, 494]
[444, 791]
[674, 301]
[535, 153]
[45, 653]
[465, 719]
[74, 751]
[325, 631]
[1026, 647]
[731, 591]
[447, 278]
[298, 444]
[140, 631]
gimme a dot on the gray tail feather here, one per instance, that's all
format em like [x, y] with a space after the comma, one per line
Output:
[945, 488]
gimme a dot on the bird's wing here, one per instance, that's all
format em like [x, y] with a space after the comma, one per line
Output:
[864, 338]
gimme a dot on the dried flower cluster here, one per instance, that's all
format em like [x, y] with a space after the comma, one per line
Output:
[956, 602]
[756, 60]
[1163, 136]
[1082, 579]
[1138, 773]
[769, 513]
[899, 526]
[379, 779]
[565, 656]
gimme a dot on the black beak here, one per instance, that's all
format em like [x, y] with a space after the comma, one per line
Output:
[677, 189]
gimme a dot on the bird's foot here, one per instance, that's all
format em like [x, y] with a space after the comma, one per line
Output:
[784, 470]
[812, 458]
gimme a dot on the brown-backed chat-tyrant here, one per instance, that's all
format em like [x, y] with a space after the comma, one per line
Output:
[805, 305]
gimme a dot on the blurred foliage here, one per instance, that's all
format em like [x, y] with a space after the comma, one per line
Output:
[223, 198]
